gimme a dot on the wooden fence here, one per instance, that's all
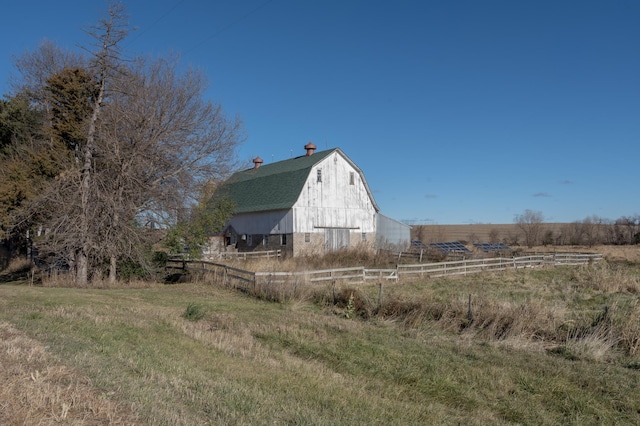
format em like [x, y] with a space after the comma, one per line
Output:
[248, 254]
[357, 275]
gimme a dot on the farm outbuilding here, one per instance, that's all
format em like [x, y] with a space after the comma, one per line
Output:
[392, 234]
[309, 204]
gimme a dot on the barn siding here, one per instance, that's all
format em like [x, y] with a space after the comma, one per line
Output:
[271, 222]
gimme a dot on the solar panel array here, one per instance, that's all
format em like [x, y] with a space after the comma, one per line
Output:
[492, 247]
[417, 244]
[450, 247]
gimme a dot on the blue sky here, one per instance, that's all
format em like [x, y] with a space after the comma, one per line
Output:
[456, 111]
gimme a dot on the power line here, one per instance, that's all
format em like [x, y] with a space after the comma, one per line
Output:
[228, 26]
[138, 35]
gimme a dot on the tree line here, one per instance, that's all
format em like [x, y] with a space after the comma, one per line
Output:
[592, 230]
[98, 151]
[530, 229]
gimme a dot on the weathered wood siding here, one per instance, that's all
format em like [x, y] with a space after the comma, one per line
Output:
[339, 200]
[271, 222]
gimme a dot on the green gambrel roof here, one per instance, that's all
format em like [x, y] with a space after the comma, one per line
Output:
[274, 186]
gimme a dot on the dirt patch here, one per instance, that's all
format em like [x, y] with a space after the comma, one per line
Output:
[37, 390]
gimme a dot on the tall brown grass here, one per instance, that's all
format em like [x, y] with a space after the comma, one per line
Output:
[37, 390]
[18, 264]
[65, 280]
[608, 278]
[548, 323]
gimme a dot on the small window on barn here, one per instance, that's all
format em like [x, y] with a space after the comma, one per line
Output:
[307, 237]
[352, 178]
[249, 240]
[265, 240]
[283, 239]
[319, 175]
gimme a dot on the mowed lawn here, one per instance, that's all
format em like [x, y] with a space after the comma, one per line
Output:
[132, 356]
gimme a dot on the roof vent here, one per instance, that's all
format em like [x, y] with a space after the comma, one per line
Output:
[257, 162]
[310, 147]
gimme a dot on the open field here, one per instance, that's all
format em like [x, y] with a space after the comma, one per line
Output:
[537, 346]
[478, 232]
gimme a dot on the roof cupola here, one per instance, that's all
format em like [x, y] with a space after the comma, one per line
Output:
[310, 147]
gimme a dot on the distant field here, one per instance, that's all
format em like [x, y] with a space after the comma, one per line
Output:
[534, 346]
[472, 232]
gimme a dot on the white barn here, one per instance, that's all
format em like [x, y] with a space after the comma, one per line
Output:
[313, 203]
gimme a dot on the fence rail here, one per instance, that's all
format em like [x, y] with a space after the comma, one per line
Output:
[246, 254]
[357, 275]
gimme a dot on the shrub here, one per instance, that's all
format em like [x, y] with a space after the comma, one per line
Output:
[160, 259]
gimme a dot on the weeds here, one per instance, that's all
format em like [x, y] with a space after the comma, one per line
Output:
[351, 309]
[550, 308]
[193, 312]
[605, 277]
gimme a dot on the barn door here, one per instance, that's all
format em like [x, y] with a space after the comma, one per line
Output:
[335, 239]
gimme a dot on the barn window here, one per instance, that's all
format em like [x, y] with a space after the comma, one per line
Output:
[307, 237]
[265, 240]
[319, 175]
[283, 239]
[352, 178]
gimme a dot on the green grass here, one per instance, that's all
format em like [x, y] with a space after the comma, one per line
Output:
[247, 361]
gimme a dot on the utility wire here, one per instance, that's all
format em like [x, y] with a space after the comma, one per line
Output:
[228, 26]
[138, 35]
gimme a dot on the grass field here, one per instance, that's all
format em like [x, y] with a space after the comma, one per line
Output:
[548, 346]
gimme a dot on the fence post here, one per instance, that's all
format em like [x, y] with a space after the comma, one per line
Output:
[380, 296]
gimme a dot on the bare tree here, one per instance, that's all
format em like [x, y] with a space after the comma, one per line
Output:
[591, 230]
[37, 66]
[530, 223]
[150, 142]
[162, 143]
[627, 230]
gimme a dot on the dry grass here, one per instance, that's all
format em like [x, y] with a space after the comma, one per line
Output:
[37, 390]
[358, 256]
[542, 346]
[247, 361]
[544, 316]
[607, 278]
[18, 264]
[65, 280]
